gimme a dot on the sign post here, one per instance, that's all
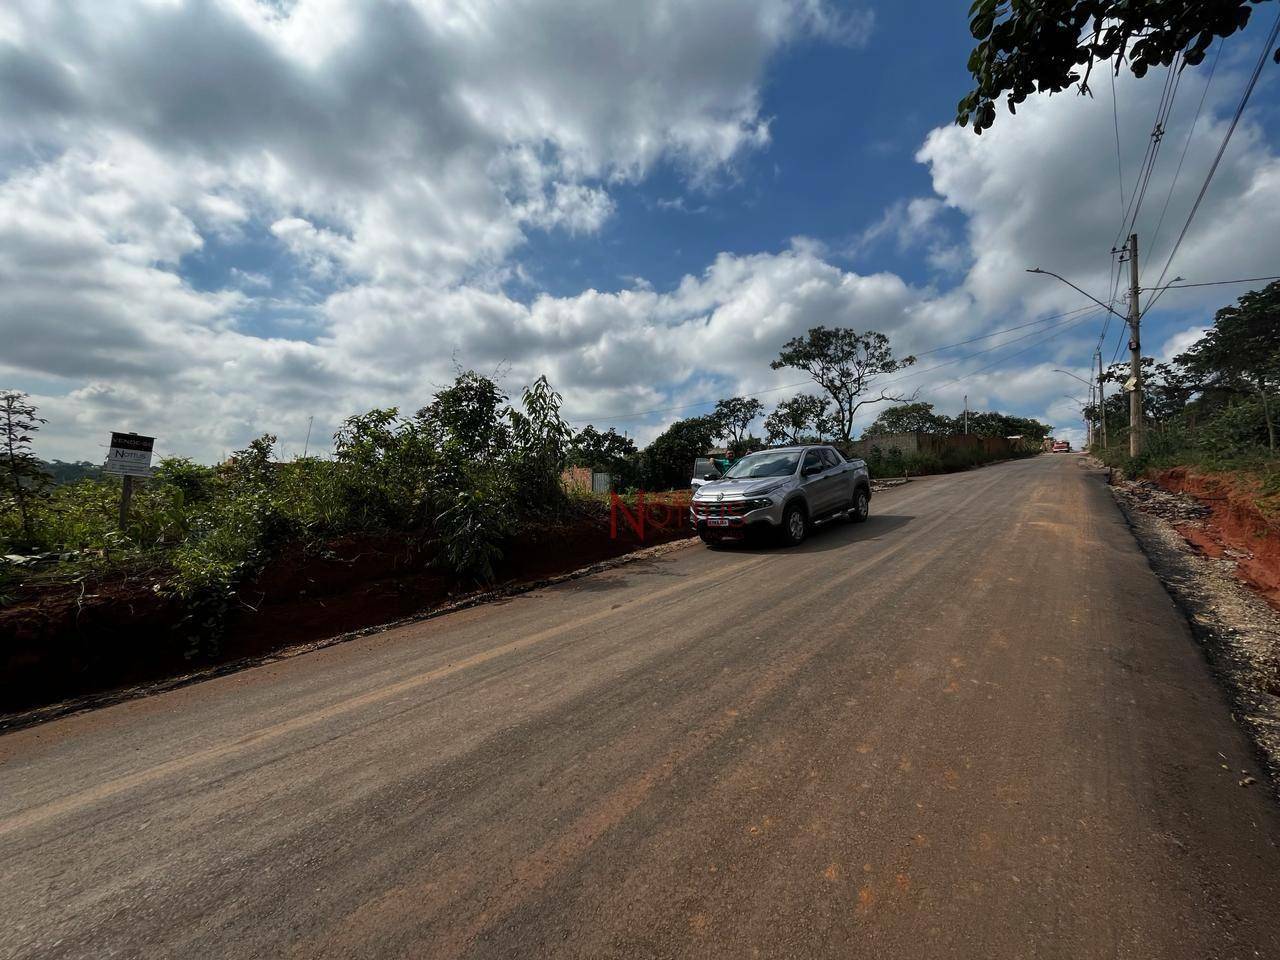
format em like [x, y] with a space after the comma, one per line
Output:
[129, 457]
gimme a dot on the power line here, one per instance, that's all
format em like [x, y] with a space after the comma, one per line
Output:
[1204, 188]
[998, 346]
[1211, 283]
[1017, 353]
[1119, 344]
[1134, 207]
[1190, 131]
[1115, 117]
[996, 333]
[1157, 135]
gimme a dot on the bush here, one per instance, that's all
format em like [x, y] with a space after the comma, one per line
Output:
[466, 471]
[472, 528]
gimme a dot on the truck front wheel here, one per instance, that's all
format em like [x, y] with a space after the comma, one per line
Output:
[795, 525]
[861, 508]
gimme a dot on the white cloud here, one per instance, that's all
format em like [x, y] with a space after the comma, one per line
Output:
[1040, 189]
[1180, 342]
[400, 153]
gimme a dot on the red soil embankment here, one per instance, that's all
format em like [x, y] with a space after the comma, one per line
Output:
[62, 640]
[1236, 527]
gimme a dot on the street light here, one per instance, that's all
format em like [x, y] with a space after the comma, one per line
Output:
[1084, 407]
[1057, 276]
[1087, 383]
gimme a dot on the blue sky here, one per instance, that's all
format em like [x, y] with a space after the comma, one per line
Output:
[256, 214]
[840, 121]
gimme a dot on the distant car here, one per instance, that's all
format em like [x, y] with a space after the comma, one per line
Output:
[706, 469]
[1061, 446]
[783, 491]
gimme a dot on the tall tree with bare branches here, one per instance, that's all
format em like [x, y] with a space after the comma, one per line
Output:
[848, 365]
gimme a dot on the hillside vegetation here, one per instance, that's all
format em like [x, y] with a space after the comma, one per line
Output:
[1212, 408]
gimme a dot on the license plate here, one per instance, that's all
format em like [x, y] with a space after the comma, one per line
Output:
[718, 522]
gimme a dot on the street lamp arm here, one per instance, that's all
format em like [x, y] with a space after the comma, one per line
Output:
[1104, 306]
[1087, 383]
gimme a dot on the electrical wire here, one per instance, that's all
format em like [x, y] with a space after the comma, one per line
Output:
[1213, 67]
[1119, 344]
[998, 346]
[1115, 117]
[1157, 135]
[1017, 353]
[996, 333]
[1134, 207]
[1212, 283]
[1213, 168]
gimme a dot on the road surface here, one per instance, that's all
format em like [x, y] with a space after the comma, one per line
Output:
[973, 727]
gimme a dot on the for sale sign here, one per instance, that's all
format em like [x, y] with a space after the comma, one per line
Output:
[130, 455]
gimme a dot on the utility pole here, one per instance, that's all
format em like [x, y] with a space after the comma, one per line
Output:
[1102, 402]
[306, 444]
[1135, 353]
[966, 414]
[1088, 423]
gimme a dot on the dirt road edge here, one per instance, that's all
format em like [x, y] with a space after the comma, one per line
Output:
[18, 720]
[1236, 628]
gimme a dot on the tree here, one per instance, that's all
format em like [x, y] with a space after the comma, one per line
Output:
[668, 460]
[909, 418]
[23, 476]
[64, 471]
[540, 440]
[847, 365]
[607, 451]
[995, 424]
[466, 417]
[801, 419]
[1050, 45]
[733, 418]
[1241, 352]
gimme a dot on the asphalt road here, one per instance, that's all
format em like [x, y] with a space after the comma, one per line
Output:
[973, 727]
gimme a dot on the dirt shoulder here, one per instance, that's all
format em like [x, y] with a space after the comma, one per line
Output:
[1201, 550]
[69, 645]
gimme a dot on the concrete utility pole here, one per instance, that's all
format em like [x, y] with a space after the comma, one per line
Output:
[966, 414]
[1135, 353]
[1102, 402]
[1088, 423]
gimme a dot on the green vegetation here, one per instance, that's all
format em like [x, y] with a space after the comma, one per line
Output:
[919, 417]
[463, 474]
[848, 366]
[1213, 407]
[462, 477]
[21, 479]
[894, 463]
[802, 419]
[1050, 45]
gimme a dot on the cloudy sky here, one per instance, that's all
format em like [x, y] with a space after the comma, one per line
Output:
[221, 218]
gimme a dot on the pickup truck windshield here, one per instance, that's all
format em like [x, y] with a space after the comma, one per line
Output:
[764, 464]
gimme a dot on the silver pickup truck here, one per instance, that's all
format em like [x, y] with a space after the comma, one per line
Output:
[783, 491]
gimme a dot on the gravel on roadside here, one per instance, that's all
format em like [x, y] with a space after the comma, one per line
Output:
[1237, 629]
